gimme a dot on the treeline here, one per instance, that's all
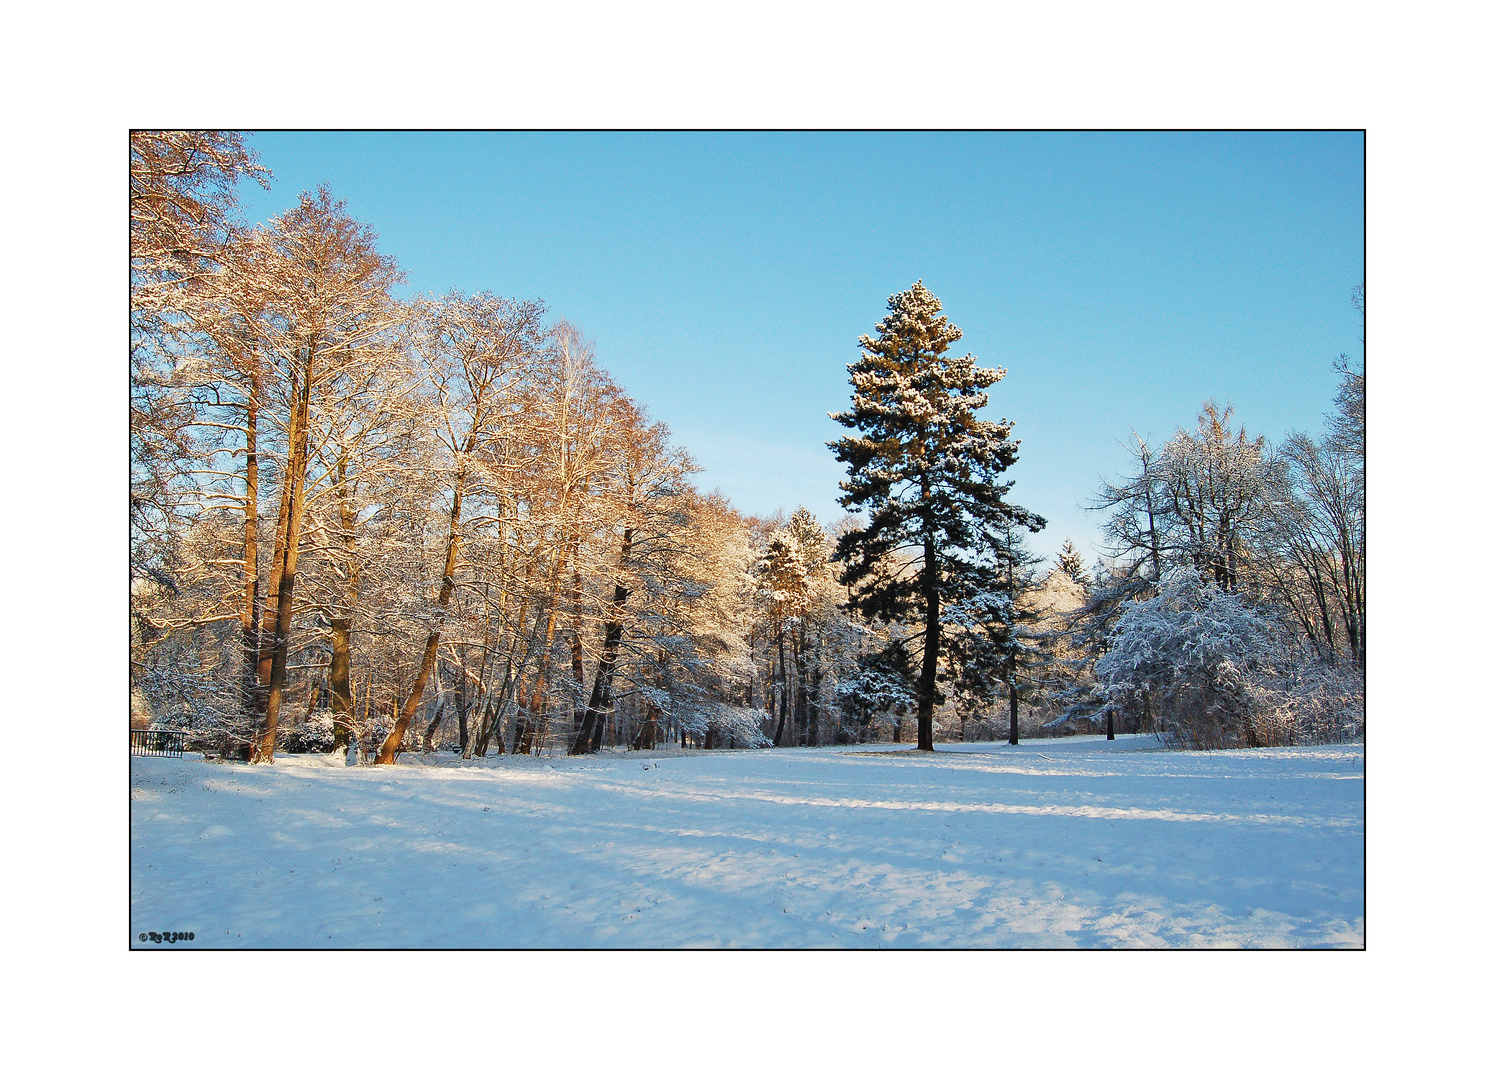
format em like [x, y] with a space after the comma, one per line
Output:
[357, 522]
[1232, 608]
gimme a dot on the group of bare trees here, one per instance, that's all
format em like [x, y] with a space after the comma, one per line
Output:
[1232, 608]
[1284, 525]
[371, 515]
[365, 523]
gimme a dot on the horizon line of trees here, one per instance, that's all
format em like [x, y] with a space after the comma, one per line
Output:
[360, 523]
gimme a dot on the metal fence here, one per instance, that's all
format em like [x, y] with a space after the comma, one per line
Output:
[157, 743]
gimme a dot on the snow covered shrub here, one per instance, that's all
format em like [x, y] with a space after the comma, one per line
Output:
[723, 726]
[1312, 702]
[307, 734]
[1204, 670]
[1194, 660]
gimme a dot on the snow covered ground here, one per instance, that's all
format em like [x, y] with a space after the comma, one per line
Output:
[1059, 843]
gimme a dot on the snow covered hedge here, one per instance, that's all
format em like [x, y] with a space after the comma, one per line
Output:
[1206, 671]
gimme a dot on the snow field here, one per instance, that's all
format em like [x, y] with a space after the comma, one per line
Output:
[1059, 843]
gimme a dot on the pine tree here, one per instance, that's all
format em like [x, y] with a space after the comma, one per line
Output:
[926, 470]
[1072, 562]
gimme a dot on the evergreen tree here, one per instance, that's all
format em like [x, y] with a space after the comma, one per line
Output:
[1072, 562]
[927, 472]
[882, 682]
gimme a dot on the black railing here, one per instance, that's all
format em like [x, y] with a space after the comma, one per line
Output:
[157, 743]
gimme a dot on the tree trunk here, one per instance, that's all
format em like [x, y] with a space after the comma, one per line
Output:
[427, 745]
[648, 732]
[1354, 605]
[462, 707]
[1110, 724]
[495, 721]
[1012, 713]
[929, 667]
[529, 715]
[340, 674]
[277, 565]
[589, 736]
[250, 618]
[342, 685]
[529, 721]
[295, 486]
[391, 747]
[778, 738]
[578, 671]
[497, 708]
[801, 690]
[813, 706]
[489, 729]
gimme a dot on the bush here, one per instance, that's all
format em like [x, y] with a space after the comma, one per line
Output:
[1312, 703]
[306, 733]
[1187, 657]
[1206, 671]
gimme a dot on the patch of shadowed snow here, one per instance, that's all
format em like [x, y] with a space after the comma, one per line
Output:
[1062, 843]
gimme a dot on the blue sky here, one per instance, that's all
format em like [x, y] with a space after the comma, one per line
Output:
[1120, 278]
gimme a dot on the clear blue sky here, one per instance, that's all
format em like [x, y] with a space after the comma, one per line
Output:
[1121, 279]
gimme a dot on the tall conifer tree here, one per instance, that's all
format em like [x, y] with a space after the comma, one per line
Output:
[927, 472]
